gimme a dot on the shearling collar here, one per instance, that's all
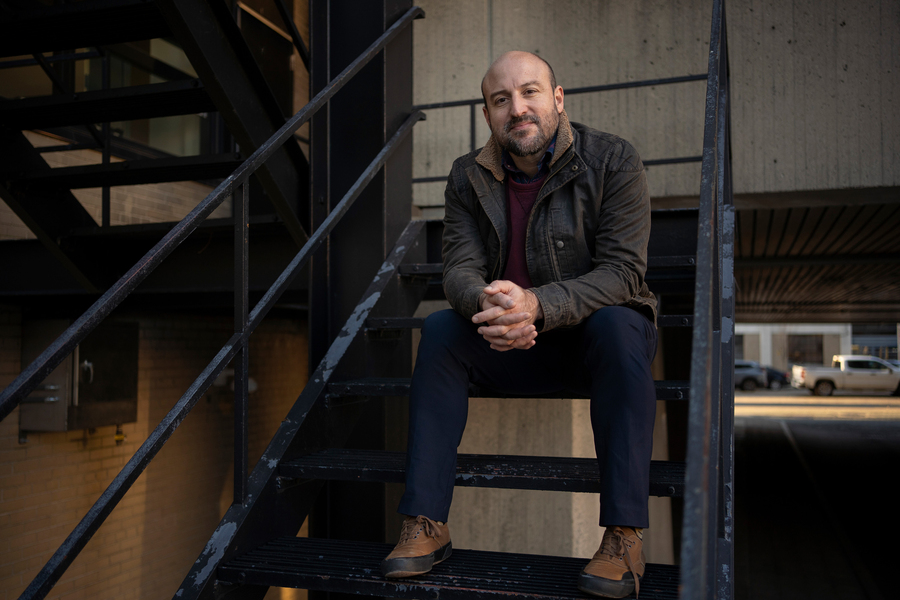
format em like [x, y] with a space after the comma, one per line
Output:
[490, 155]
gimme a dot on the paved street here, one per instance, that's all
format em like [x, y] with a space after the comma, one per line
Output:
[815, 517]
[790, 403]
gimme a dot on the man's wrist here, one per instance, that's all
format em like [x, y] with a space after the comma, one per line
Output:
[538, 310]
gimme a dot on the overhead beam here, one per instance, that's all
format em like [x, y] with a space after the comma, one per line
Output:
[216, 48]
[137, 172]
[102, 106]
[831, 312]
[796, 199]
[817, 260]
[78, 25]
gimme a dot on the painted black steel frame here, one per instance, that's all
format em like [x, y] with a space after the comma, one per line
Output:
[245, 322]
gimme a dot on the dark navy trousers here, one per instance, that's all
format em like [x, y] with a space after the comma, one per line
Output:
[606, 357]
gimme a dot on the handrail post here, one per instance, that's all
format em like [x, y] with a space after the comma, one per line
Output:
[242, 359]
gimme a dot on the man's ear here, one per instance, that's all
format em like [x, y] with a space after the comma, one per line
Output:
[558, 95]
[487, 116]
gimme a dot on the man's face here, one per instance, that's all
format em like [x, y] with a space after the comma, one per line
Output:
[522, 109]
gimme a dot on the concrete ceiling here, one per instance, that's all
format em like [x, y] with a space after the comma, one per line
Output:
[830, 256]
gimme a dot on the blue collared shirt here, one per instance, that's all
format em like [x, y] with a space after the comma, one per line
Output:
[520, 176]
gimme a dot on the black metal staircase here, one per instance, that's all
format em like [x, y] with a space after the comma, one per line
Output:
[361, 347]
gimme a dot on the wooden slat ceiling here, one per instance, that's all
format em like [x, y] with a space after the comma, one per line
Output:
[837, 263]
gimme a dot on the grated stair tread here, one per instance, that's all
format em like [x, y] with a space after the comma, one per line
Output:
[563, 474]
[399, 386]
[354, 567]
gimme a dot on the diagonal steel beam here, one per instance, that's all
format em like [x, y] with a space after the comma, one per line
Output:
[213, 42]
[49, 214]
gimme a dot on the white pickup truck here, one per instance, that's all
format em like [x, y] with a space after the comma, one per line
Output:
[847, 372]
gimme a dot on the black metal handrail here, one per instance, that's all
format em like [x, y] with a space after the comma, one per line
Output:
[245, 322]
[472, 103]
[707, 547]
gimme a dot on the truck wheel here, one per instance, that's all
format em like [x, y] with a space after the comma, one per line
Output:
[775, 385]
[748, 385]
[823, 388]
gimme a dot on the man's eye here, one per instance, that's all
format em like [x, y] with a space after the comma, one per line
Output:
[500, 101]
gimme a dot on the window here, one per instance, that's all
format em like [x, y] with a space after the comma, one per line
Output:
[804, 349]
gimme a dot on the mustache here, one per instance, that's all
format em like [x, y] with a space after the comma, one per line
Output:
[523, 119]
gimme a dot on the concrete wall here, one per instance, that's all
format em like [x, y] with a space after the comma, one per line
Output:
[814, 84]
[147, 544]
[751, 347]
[831, 345]
[772, 340]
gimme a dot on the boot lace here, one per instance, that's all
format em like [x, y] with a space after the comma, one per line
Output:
[615, 544]
[411, 528]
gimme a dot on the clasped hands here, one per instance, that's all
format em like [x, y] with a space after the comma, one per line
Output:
[508, 313]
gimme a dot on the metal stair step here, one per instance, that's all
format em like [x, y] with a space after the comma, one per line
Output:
[399, 386]
[79, 25]
[138, 172]
[118, 104]
[665, 274]
[354, 567]
[560, 474]
[377, 323]
[653, 262]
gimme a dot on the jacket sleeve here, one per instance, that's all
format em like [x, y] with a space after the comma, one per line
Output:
[620, 248]
[463, 252]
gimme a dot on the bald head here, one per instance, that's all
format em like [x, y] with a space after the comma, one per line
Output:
[522, 104]
[516, 60]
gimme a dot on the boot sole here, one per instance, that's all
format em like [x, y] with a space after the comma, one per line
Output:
[606, 588]
[409, 566]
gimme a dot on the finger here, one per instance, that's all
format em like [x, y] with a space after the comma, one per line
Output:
[505, 332]
[515, 318]
[521, 334]
[489, 315]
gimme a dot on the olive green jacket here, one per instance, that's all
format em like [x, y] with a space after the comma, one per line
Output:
[586, 240]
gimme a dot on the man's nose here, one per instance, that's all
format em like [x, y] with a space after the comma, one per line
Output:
[519, 106]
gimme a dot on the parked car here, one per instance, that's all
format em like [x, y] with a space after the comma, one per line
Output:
[748, 375]
[777, 379]
[848, 372]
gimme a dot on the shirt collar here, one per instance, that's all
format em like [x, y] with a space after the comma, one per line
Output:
[521, 177]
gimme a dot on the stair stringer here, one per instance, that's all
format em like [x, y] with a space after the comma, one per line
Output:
[270, 512]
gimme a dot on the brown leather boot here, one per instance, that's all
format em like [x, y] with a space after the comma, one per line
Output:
[423, 543]
[617, 567]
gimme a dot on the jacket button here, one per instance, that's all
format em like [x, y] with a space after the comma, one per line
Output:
[560, 244]
[574, 167]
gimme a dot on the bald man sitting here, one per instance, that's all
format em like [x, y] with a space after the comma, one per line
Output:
[545, 250]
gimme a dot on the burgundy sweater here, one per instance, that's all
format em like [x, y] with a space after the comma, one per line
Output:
[520, 199]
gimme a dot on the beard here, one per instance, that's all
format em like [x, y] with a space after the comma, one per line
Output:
[527, 146]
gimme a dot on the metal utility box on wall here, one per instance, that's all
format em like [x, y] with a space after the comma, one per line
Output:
[94, 386]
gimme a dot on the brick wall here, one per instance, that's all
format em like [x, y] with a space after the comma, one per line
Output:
[149, 541]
